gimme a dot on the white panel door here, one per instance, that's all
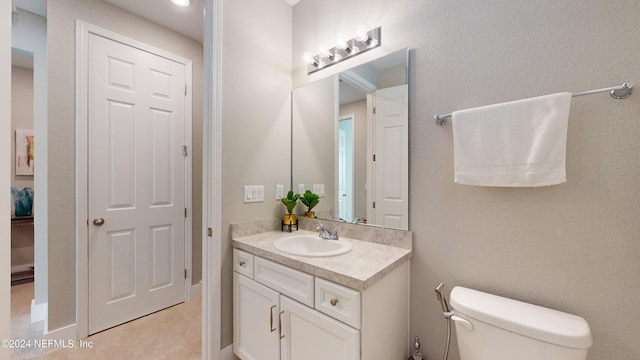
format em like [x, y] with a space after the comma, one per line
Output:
[136, 185]
[391, 137]
[256, 312]
[311, 335]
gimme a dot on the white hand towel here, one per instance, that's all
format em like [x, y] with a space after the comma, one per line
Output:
[518, 143]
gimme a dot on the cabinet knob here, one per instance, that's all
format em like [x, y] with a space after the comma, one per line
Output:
[242, 263]
[334, 302]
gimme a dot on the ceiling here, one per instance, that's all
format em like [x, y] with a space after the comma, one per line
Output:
[186, 21]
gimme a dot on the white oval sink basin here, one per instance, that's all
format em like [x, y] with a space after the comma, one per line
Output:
[312, 246]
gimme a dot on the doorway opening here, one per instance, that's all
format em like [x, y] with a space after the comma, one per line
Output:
[345, 168]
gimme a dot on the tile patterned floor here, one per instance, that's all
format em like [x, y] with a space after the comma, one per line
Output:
[173, 333]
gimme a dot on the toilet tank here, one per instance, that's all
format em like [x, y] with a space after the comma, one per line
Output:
[490, 327]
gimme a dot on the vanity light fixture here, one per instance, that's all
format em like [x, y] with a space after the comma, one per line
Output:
[182, 3]
[344, 49]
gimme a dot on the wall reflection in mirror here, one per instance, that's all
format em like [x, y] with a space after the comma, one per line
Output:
[350, 138]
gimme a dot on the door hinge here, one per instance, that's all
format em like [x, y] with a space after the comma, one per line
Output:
[209, 232]
[185, 273]
[185, 212]
[184, 150]
[185, 89]
[374, 204]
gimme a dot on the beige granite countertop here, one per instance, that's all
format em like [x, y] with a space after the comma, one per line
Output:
[358, 269]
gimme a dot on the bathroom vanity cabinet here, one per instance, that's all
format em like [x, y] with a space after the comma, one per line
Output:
[283, 313]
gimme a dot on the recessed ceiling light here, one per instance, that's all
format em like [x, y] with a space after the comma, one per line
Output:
[183, 3]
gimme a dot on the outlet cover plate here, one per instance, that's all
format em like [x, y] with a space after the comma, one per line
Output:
[318, 189]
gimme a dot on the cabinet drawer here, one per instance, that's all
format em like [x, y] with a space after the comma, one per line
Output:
[243, 263]
[338, 302]
[292, 283]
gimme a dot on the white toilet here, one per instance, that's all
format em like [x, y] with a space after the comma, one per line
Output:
[491, 327]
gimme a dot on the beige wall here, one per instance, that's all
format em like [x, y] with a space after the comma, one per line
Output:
[5, 176]
[21, 117]
[62, 15]
[573, 247]
[256, 118]
[359, 111]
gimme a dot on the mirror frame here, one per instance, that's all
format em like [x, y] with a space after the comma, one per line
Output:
[332, 80]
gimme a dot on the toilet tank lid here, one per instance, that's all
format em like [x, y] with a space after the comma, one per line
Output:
[535, 321]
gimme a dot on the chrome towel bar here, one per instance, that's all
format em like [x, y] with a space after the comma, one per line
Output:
[617, 92]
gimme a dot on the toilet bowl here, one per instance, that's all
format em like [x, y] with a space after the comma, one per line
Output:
[490, 327]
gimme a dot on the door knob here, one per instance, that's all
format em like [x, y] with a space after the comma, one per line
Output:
[98, 221]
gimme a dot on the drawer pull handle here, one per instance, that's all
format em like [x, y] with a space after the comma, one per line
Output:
[242, 263]
[280, 324]
[334, 302]
[271, 319]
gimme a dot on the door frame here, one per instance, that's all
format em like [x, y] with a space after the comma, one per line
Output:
[83, 30]
[5, 178]
[212, 183]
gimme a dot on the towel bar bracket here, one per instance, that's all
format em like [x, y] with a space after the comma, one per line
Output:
[625, 92]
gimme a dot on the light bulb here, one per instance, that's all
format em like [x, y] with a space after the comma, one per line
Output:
[361, 34]
[308, 58]
[341, 43]
[324, 51]
[182, 3]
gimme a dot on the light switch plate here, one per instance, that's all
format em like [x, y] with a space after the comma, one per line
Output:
[253, 193]
[300, 189]
[279, 192]
[318, 189]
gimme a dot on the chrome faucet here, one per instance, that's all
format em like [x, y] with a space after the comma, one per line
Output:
[327, 234]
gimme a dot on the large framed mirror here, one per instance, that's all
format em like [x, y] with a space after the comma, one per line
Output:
[350, 143]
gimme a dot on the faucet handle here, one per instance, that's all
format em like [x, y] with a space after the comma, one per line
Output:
[334, 233]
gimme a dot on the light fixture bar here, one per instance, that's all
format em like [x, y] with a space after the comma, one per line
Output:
[349, 49]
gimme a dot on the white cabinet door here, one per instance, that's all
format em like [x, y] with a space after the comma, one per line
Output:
[256, 314]
[310, 335]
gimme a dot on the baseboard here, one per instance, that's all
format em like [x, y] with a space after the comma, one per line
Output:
[66, 333]
[196, 290]
[227, 353]
[38, 311]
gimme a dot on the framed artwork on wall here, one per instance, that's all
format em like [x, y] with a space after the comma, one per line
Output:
[24, 152]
